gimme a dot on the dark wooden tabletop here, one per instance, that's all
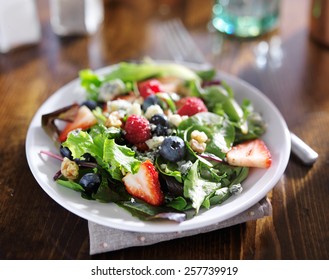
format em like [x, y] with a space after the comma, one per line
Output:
[295, 76]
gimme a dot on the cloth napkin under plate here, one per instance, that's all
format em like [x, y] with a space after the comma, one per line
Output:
[105, 239]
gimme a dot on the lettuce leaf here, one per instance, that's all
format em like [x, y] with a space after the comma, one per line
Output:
[91, 82]
[121, 159]
[136, 72]
[114, 158]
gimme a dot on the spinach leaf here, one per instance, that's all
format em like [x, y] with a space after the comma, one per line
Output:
[70, 184]
[146, 211]
[168, 168]
[220, 132]
[110, 190]
[197, 188]
[233, 174]
[178, 203]
[218, 98]
[256, 124]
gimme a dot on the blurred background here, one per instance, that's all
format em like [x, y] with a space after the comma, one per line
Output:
[130, 31]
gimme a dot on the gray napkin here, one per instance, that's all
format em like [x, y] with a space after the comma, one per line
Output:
[105, 239]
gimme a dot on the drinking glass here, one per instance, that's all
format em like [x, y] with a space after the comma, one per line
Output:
[245, 18]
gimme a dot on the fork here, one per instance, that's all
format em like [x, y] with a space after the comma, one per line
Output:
[180, 44]
[183, 48]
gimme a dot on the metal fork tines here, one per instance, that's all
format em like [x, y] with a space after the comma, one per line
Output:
[180, 43]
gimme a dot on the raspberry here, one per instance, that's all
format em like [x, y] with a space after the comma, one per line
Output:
[191, 106]
[149, 87]
[137, 129]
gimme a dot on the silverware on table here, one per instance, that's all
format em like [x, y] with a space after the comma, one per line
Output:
[303, 151]
[183, 49]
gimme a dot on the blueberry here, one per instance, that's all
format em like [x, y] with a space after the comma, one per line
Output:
[172, 149]
[158, 119]
[88, 158]
[65, 152]
[160, 130]
[150, 100]
[90, 104]
[161, 124]
[90, 182]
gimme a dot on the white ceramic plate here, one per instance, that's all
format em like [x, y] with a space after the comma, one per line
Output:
[255, 187]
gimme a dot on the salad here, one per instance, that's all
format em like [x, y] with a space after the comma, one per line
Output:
[158, 139]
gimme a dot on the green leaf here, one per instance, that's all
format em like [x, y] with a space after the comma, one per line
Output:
[105, 132]
[120, 158]
[256, 124]
[98, 113]
[206, 75]
[220, 132]
[116, 159]
[91, 82]
[145, 211]
[210, 173]
[196, 188]
[80, 142]
[233, 174]
[223, 95]
[169, 169]
[110, 191]
[219, 196]
[178, 203]
[164, 96]
[138, 72]
[70, 184]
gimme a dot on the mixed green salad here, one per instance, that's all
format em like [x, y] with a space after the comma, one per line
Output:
[158, 139]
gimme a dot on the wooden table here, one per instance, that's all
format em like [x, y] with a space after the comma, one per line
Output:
[295, 76]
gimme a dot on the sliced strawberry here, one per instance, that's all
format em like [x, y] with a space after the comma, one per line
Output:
[145, 184]
[189, 106]
[253, 153]
[170, 84]
[83, 120]
[130, 96]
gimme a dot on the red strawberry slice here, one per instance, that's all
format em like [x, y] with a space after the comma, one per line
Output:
[149, 87]
[190, 106]
[145, 184]
[83, 120]
[170, 84]
[253, 153]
